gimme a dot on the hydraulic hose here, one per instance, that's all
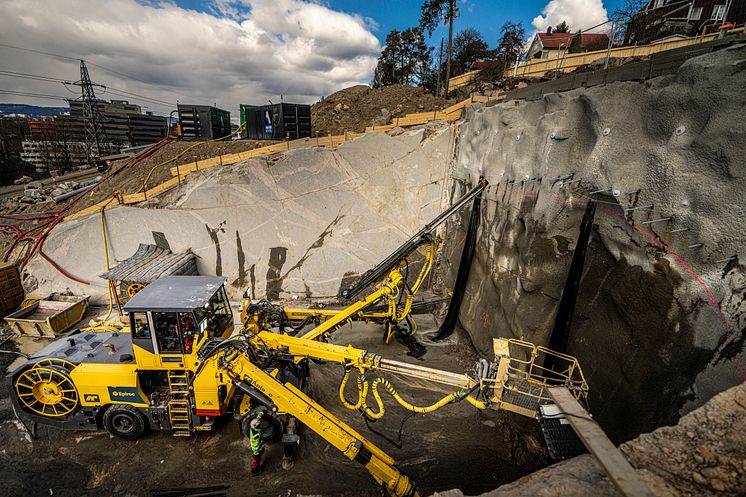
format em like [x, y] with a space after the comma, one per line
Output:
[363, 387]
[362, 391]
[452, 397]
[112, 289]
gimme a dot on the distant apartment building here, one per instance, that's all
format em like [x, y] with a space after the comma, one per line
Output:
[146, 128]
[670, 18]
[59, 143]
[49, 156]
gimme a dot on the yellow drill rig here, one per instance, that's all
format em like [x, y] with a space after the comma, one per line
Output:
[179, 364]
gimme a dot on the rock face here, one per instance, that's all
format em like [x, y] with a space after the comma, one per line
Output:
[703, 455]
[659, 320]
[289, 228]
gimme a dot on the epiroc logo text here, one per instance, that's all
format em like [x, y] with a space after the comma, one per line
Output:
[124, 394]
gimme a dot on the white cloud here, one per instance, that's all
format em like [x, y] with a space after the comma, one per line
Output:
[579, 14]
[245, 51]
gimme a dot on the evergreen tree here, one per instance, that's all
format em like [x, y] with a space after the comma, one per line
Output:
[562, 28]
[404, 60]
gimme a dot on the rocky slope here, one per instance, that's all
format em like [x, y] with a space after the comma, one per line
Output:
[703, 455]
[659, 321]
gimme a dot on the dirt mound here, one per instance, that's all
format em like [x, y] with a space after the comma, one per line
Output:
[354, 108]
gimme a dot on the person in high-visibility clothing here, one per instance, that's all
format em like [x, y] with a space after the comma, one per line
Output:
[256, 439]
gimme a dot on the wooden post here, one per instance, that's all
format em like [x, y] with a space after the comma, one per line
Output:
[178, 173]
[620, 472]
[220, 155]
[196, 164]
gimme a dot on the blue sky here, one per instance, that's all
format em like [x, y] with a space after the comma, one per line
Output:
[485, 15]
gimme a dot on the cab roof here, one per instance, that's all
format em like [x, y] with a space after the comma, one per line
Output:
[175, 293]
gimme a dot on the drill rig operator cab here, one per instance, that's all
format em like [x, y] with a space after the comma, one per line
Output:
[138, 378]
[171, 316]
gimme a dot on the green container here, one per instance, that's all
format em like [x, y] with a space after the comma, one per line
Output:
[242, 111]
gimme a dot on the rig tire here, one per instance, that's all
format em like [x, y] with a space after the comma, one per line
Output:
[124, 421]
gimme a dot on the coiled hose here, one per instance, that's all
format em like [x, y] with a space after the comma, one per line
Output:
[363, 389]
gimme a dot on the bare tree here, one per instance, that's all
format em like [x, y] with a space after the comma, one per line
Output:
[625, 12]
[468, 47]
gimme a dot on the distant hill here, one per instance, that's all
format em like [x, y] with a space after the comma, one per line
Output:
[32, 110]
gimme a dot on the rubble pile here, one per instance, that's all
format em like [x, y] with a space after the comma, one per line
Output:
[36, 193]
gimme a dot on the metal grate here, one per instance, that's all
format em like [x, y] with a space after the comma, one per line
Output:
[562, 441]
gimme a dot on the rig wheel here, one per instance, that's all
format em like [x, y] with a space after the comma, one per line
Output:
[124, 421]
[47, 390]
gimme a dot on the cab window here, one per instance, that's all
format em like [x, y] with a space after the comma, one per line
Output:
[215, 315]
[167, 332]
[188, 329]
[140, 325]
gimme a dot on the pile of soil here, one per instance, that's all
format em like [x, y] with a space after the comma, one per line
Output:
[354, 108]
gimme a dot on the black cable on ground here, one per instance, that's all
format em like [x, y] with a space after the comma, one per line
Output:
[462, 277]
[396, 443]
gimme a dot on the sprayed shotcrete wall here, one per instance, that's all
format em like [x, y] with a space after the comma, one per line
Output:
[290, 227]
[659, 321]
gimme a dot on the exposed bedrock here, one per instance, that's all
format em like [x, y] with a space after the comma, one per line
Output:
[290, 227]
[647, 328]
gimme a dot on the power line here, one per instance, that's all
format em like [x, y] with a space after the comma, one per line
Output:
[76, 59]
[29, 94]
[38, 52]
[139, 80]
[50, 79]
[36, 77]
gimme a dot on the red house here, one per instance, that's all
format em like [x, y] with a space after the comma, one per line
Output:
[553, 45]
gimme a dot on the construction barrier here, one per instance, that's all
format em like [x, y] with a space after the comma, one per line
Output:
[658, 64]
[462, 80]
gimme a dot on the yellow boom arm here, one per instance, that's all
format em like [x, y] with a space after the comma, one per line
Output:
[387, 293]
[498, 385]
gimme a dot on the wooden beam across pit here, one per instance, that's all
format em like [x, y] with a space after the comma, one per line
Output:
[611, 459]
